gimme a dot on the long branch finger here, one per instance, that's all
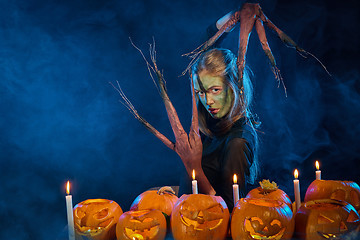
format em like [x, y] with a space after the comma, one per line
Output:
[194, 134]
[265, 45]
[263, 40]
[285, 38]
[195, 117]
[175, 123]
[247, 21]
[134, 112]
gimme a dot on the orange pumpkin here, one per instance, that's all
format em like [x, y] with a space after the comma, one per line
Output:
[164, 200]
[255, 218]
[339, 190]
[96, 219]
[326, 219]
[270, 191]
[199, 217]
[141, 225]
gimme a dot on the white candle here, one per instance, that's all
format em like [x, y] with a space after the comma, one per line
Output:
[235, 190]
[297, 190]
[69, 210]
[194, 183]
[318, 172]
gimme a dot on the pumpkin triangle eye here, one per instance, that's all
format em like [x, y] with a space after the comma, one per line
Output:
[343, 226]
[324, 220]
[353, 217]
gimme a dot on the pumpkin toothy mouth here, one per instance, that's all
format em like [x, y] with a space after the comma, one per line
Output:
[93, 231]
[200, 220]
[273, 232]
[140, 229]
[90, 231]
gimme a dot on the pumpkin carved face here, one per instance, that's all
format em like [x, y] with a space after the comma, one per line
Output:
[96, 219]
[338, 190]
[141, 225]
[261, 219]
[325, 219]
[198, 216]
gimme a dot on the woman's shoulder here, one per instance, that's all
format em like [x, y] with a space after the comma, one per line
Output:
[242, 130]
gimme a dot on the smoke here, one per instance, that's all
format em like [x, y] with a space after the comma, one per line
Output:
[61, 120]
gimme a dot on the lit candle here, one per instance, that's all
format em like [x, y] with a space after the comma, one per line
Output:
[194, 183]
[318, 171]
[235, 190]
[297, 189]
[69, 210]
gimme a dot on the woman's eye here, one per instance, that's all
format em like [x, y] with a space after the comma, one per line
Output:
[201, 93]
[216, 90]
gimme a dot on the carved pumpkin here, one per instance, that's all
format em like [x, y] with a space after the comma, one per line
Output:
[96, 219]
[255, 218]
[199, 216]
[164, 200]
[141, 225]
[339, 190]
[270, 191]
[325, 219]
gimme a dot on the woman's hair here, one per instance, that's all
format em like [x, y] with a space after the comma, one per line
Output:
[222, 62]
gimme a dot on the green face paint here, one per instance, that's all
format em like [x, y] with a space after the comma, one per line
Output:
[214, 94]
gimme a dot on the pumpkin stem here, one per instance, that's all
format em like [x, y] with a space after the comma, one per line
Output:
[267, 186]
[165, 189]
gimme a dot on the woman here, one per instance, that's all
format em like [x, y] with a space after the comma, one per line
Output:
[227, 131]
[227, 144]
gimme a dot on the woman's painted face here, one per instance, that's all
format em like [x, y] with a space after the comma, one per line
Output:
[214, 94]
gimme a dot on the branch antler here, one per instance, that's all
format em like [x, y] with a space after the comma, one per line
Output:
[249, 15]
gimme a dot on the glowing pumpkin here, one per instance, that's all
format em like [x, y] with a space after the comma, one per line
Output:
[96, 219]
[326, 219]
[141, 225]
[270, 191]
[164, 200]
[255, 218]
[199, 216]
[339, 190]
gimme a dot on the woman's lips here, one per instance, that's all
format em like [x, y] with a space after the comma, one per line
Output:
[214, 110]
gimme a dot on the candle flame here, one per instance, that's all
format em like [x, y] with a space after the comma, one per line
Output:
[68, 188]
[235, 179]
[193, 174]
[296, 173]
[317, 165]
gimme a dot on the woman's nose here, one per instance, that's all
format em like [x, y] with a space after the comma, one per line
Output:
[209, 100]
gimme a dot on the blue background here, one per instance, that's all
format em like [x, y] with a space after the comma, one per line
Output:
[61, 119]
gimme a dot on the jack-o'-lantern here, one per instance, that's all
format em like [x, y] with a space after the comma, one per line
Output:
[270, 190]
[164, 200]
[199, 216]
[96, 219]
[141, 225]
[325, 219]
[256, 218]
[339, 190]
